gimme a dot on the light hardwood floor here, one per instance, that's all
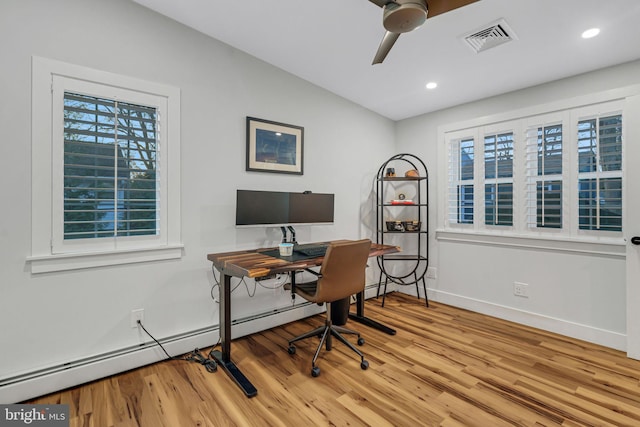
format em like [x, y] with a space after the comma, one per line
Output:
[445, 366]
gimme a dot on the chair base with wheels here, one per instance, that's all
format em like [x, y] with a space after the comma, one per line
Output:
[341, 275]
[326, 332]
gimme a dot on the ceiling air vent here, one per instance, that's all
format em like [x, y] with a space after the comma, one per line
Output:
[489, 36]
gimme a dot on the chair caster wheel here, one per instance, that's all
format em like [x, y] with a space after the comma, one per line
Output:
[291, 350]
[315, 371]
[364, 365]
[360, 341]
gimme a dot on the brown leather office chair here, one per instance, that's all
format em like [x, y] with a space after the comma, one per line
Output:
[341, 275]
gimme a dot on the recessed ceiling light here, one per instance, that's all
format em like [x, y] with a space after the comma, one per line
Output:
[432, 85]
[591, 32]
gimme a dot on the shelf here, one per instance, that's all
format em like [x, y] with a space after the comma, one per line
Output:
[406, 257]
[410, 265]
[403, 205]
[402, 178]
[402, 232]
[387, 197]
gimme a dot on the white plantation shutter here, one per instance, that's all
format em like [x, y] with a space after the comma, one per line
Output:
[461, 181]
[600, 173]
[110, 168]
[544, 175]
[498, 178]
[557, 173]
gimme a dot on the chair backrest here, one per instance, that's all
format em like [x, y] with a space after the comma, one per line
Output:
[343, 270]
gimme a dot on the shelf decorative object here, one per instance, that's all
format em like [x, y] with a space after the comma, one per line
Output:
[402, 219]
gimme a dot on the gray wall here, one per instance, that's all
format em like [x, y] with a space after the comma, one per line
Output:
[82, 317]
[575, 293]
[51, 319]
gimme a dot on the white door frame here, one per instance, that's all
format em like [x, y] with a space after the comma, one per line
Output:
[631, 197]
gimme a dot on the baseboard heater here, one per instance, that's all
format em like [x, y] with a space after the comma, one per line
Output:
[46, 380]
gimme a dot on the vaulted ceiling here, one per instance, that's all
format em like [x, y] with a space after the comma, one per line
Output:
[331, 43]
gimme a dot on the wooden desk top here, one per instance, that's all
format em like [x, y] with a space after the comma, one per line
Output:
[255, 263]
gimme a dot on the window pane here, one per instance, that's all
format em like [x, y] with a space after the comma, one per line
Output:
[600, 144]
[610, 143]
[490, 157]
[110, 163]
[549, 204]
[465, 204]
[504, 155]
[466, 159]
[462, 184]
[587, 146]
[600, 152]
[600, 204]
[498, 204]
[550, 150]
[498, 156]
[490, 204]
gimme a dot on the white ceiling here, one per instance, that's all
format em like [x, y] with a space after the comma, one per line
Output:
[331, 43]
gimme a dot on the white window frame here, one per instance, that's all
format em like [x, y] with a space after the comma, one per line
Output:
[49, 252]
[570, 237]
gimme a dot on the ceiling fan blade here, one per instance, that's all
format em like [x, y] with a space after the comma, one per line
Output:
[381, 3]
[385, 46]
[437, 7]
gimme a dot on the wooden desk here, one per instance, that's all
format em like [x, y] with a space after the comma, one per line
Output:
[255, 264]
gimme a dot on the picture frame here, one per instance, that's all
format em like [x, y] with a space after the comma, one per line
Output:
[274, 147]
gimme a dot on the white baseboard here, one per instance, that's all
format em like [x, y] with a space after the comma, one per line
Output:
[33, 384]
[44, 381]
[30, 385]
[587, 333]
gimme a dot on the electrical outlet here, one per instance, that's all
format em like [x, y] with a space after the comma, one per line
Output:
[432, 273]
[521, 289]
[137, 315]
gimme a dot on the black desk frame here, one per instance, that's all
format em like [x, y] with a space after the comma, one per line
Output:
[359, 317]
[223, 357]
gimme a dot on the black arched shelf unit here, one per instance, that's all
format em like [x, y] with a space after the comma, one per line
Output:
[402, 219]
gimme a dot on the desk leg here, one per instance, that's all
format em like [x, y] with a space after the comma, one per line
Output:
[360, 317]
[224, 357]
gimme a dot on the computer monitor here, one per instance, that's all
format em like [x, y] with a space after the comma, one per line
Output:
[278, 208]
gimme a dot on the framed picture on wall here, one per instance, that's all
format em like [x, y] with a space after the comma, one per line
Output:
[274, 147]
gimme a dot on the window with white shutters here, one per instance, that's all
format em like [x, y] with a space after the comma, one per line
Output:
[106, 168]
[549, 174]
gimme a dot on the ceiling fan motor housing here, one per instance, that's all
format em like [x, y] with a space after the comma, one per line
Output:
[402, 17]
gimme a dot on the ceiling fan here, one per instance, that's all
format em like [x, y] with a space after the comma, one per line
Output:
[402, 16]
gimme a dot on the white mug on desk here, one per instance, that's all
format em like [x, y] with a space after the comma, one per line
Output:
[286, 249]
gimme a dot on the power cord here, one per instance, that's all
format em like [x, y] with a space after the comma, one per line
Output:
[281, 282]
[195, 356]
[217, 285]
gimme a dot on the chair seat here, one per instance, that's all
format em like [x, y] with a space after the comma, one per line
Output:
[307, 290]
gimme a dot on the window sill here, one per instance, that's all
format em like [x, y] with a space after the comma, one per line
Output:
[615, 247]
[64, 262]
